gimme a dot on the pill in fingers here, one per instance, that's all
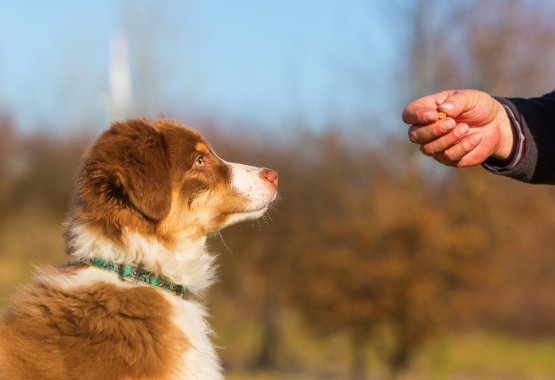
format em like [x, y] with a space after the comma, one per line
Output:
[442, 115]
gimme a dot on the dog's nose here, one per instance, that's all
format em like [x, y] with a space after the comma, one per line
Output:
[270, 176]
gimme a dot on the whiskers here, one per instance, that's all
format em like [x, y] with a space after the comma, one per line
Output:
[272, 207]
[229, 250]
[267, 218]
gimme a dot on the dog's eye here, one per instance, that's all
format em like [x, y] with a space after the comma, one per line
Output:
[199, 162]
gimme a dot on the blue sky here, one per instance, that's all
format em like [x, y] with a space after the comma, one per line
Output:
[242, 60]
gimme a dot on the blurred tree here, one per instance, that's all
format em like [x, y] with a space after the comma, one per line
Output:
[7, 143]
[7, 146]
[501, 47]
[36, 173]
[370, 245]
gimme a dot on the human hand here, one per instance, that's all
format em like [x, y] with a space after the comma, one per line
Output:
[476, 127]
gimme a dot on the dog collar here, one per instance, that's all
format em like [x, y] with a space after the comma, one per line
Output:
[135, 273]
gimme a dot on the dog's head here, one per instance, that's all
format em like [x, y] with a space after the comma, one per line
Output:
[163, 180]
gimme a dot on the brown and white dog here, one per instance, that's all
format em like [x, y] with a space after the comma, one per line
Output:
[148, 193]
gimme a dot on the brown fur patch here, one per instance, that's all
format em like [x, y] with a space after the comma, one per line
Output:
[201, 147]
[124, 181]
[101, 332]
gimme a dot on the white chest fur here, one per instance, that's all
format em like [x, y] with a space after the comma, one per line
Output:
[200, 361]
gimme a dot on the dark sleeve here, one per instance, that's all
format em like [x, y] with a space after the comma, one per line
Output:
[536, 117]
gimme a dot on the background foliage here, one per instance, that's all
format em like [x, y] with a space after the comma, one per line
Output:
[374, 263]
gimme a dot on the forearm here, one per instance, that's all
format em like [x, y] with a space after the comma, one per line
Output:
[536, 118]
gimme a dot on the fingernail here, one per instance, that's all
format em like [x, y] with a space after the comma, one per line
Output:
[462, 130]
[447, 106]
[430, 116]
[448, 125]
[476, 138]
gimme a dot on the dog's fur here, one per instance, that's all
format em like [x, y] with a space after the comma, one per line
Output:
[147, 192]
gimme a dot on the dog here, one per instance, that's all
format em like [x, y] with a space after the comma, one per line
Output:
[125, 306]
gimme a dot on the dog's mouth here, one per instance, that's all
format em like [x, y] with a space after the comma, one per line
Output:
[261, 210]
[251, 213]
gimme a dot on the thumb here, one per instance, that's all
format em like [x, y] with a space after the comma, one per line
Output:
[459, 102]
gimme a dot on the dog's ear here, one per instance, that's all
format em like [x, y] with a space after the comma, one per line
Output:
[132, 157]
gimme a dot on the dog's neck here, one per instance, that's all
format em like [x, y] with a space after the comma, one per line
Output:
[187, 263]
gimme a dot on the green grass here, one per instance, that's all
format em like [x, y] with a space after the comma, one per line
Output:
[474, 355]
[481, 354]
[265, 376]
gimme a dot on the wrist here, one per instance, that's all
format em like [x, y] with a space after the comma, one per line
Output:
[507, 135]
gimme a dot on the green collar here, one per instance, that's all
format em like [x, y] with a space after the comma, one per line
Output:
[136, 273]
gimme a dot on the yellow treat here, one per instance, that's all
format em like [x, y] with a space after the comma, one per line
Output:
[441, 114]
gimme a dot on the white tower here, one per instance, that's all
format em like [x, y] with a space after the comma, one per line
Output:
[121, 95]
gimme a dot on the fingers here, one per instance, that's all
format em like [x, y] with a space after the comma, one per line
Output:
[416, 114]
[455, 156]
[424, 110]
[453, 103]
[440, 144]
[420, 134]
[462, 101]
